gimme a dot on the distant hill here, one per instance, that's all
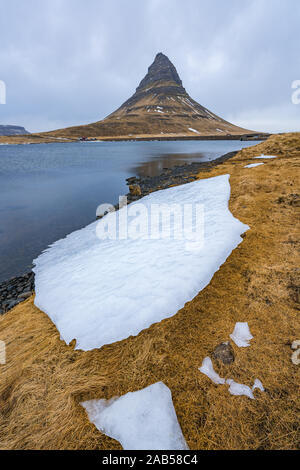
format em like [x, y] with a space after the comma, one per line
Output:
[159, 107]
[12, 130]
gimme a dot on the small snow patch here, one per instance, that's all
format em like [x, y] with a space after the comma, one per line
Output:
[241, 335]
[140, 420]
[253, 165]
[296, 354]
[259, 385]
[193, 130]
[239, 389]
[207, 369]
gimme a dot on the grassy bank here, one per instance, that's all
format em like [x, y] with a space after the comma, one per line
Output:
[44, 380]
[46, 138]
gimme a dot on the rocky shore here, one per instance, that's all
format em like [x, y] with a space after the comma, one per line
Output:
[18, 289]
[15, 291]
[181, 174]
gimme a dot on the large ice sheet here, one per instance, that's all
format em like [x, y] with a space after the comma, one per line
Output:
[143, 420]
[99, 292]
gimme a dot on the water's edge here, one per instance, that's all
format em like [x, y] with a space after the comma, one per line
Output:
[19, 288]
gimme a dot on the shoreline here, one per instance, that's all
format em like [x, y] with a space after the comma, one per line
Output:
[17, 289]
[33, 139]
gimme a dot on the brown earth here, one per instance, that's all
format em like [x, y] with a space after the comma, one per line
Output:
[44, 380]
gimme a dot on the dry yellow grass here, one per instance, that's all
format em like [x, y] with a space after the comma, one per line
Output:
[44, 380]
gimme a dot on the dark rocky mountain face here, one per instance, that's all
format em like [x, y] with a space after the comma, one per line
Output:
[161, 90]
[12, 130]
[162, 70]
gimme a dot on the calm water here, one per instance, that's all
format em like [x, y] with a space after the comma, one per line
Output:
[50, 190]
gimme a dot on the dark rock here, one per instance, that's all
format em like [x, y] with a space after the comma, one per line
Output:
[132, 180]
[25, 295]
[15, 291]
[12, 304]
[162, 69]
[224, 353]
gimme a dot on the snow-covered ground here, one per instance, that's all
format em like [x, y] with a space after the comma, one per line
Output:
[143, 420]
[102, 291]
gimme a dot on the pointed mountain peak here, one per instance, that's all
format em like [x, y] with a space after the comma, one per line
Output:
[162, 70]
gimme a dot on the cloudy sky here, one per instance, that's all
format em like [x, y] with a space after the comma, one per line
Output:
[68, 62]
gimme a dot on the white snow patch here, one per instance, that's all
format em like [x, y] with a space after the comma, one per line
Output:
[241, 335]
[259, 385]
[239, 389]
[193, 130]
[207, 369]
[102, 291]
[253, 165]
[267, 156]
[296, 354]
[235, 388]
[143, 420]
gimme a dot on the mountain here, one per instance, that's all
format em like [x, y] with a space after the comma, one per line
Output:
[12, 130]
[160, 106]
